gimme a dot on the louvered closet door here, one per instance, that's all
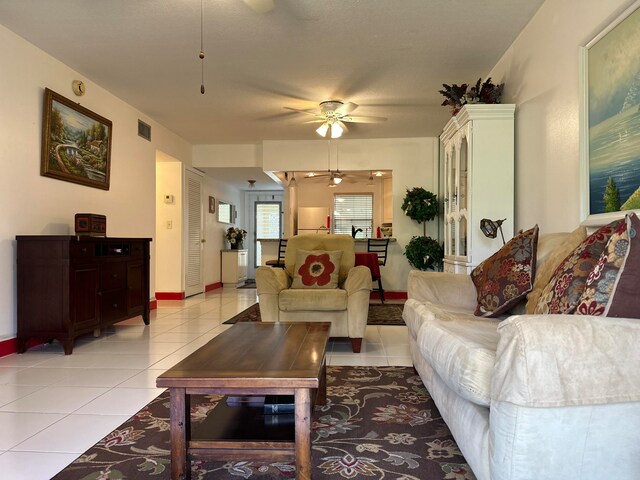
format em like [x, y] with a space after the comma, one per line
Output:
[193, 269]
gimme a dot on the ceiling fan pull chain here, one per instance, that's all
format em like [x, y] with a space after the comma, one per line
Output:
[201, 54]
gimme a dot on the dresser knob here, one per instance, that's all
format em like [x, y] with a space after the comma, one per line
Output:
[114, 275]
[115, 305]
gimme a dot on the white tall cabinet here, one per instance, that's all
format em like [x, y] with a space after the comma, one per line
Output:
[477, 151]
[234, 267]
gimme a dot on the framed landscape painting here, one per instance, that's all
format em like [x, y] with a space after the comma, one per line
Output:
[76, 143]
[610, 123]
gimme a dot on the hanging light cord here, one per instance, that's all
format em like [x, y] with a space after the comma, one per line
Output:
[201, 55]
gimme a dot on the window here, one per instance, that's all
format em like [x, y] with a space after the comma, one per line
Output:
[353, 210]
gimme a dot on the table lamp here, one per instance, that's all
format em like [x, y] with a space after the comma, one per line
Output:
[490, 228]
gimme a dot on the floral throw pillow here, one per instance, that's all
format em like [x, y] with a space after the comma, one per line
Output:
[602, 279]
[316, 269]
[506, 277]
[562, 293]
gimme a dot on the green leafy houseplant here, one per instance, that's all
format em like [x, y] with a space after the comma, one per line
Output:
[424, 253]
[420, 205]
[457, 96]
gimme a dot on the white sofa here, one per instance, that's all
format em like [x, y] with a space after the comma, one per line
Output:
[530, 397]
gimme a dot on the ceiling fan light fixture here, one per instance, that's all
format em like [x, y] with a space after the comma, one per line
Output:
[336, 130]
[323, 129]
[337, 180]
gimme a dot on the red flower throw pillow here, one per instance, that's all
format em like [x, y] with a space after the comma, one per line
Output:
[506, 277]
[316, 269]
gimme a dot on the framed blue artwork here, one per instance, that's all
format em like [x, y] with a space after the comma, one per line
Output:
[610, 120]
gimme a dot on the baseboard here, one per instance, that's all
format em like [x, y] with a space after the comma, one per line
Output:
[7, 347]
[213, 286]
[153, 304]
[389, 295]
[169, 295]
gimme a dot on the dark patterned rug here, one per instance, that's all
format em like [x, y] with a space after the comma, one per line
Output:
[379, 422]
[379, 314]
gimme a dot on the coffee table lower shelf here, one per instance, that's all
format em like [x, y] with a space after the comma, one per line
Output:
[242, 432]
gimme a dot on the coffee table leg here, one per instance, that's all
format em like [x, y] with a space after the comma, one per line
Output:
[321, 396]
[180, 429]
[303, 433]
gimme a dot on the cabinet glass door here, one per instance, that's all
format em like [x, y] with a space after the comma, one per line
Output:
[462, 196]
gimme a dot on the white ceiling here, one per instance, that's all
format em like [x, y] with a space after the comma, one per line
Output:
[388, 56]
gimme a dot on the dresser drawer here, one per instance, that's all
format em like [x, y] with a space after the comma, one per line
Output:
[113, 305]
[113, 275]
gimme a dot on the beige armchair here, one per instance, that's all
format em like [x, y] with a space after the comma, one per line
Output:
[346, 307]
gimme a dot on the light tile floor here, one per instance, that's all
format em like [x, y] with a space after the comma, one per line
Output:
[54, 407]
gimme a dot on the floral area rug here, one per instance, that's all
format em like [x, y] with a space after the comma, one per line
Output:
[379, 314]
[379, 422]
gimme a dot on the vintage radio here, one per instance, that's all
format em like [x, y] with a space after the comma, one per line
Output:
[91, 224]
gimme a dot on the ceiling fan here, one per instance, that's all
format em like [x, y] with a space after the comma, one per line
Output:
[333, 115]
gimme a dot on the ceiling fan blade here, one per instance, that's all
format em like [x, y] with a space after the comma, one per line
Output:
[346, 108]
[344, 127]
[308, 112]
[260, 6]
[363, 119]
[319, 120]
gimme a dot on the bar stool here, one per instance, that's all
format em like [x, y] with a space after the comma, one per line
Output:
[379, 246]
[282, 248]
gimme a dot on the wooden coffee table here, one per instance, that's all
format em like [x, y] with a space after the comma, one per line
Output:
[249, 359]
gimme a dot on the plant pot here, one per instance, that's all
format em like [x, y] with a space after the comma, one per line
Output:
[236, 246]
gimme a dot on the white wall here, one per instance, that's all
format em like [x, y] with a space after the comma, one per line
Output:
[169, 241]
[214, 231]
[32, 204]
[541, 76]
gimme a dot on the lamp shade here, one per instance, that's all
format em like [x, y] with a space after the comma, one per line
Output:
[490, 228]
[322, 129]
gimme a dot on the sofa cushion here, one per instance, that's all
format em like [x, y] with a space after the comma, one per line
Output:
[548, 262]
[504, 278]
[462, 352]
[316, 269]
[562, 293]
[293, 299]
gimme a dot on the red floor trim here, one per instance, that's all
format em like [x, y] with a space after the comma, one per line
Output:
[213, 286]
[153, 304]
[169, 295]
[8, 347]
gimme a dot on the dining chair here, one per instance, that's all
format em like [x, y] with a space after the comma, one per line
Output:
[380, 247]
[282, 248]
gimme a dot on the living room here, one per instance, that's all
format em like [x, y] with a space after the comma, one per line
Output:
[539, 67]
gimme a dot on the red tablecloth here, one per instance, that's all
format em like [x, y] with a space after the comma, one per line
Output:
[369, 260]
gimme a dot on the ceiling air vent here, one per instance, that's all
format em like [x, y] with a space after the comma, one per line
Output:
[144, 130]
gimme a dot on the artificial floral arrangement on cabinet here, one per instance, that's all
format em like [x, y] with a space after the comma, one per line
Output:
[235, 236]
[422, 252]
[457, 96]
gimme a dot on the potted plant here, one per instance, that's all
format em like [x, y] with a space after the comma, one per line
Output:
[422, 252]
[235, 236]
[457, 96]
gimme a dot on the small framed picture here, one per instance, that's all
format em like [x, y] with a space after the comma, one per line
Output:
[212, 204]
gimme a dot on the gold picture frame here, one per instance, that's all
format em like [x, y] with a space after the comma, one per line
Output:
[76, 143]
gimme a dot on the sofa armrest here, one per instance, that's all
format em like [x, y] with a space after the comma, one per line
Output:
[564, 360]
[452, 289]
[269, 283]
[358, 287]
[358, 279]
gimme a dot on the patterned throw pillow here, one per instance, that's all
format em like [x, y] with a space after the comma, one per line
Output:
[503, 279]
[626, 298]
[602, 279]
[316, 269]
[562, 293]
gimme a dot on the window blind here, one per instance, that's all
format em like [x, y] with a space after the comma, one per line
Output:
[353, 210]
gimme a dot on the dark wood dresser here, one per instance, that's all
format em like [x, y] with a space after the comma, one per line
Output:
[69, 286]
